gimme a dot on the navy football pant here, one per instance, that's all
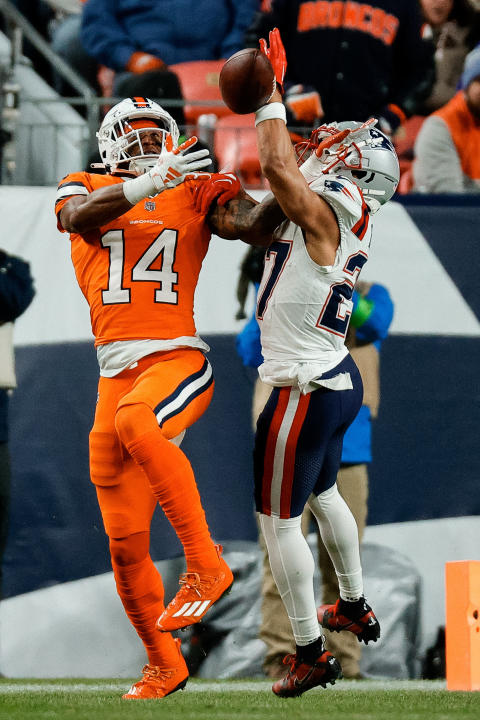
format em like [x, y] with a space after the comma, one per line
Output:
[298, 443]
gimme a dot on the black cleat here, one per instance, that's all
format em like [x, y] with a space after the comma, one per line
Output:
[304, 676]
[356, 617]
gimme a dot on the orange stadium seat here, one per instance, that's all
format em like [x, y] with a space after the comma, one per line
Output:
[199, 82]
[235, 147]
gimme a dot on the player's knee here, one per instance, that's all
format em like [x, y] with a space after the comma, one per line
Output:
[132, 421]
[129, 550]
[321, 505]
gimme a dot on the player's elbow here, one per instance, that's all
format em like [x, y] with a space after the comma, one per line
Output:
[74, 225]
[75, 222]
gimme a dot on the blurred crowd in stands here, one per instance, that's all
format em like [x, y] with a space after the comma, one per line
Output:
[413, 64]
[402, 61]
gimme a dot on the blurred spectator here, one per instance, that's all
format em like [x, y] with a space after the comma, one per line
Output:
[362, 59]
[65, 40]
[454, 27]
[132, 38]
[447, 148]
[16, 294]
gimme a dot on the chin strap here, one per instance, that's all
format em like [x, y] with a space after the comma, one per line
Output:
[143, 165]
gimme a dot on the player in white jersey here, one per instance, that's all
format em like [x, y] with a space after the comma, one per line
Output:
[303, 324]
[304, 307]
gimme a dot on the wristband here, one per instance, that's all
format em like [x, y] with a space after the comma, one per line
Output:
[139, 188]
[362, 312]
[271, 111]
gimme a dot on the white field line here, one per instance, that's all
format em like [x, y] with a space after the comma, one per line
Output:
[196, 686]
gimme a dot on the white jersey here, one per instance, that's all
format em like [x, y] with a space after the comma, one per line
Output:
[303, 309]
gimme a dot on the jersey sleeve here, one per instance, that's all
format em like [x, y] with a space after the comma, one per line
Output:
[347, 201]
[70, 185]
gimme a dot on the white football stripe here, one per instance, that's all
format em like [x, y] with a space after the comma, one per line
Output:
[280, 447]
[202, 608]
[182, 610]
[185, 394]
[71, 190]
[192, 608]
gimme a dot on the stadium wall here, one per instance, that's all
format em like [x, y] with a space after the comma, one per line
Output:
[424, 500]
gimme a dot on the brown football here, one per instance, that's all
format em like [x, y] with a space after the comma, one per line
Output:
[246, 81]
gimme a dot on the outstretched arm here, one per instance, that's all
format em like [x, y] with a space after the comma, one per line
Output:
[243, 218]
[300, 204]
[83, 213]
[277, 159]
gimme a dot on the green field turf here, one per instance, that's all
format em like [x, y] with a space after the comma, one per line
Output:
[242, 700]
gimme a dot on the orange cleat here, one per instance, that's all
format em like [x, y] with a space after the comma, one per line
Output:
[158, 682]
[195, 598]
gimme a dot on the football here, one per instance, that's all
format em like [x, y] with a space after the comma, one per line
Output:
[247, 81]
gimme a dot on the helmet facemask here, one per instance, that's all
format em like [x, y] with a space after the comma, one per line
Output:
[132, 135]
[366, 157]
[131, 138]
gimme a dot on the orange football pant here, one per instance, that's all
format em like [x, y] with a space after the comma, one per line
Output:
[134, 465]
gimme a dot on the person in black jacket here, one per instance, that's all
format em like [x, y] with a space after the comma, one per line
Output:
[16, 294]
[360, 59]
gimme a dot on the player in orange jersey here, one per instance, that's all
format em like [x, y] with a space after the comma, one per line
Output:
[137, 243]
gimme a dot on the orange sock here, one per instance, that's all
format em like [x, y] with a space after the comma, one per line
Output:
[172, 481]
[140, 588]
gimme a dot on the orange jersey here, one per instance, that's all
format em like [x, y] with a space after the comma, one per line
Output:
[139, 272]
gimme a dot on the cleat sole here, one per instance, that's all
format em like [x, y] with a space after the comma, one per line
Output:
[180, 686]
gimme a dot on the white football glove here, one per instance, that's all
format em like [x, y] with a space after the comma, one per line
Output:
[171, 169]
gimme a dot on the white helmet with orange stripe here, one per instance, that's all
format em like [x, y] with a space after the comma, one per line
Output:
[134, 133]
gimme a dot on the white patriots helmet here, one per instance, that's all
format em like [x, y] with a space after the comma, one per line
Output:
[366, 157]
[116, 137]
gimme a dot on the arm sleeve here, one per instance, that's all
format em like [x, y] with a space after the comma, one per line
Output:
[16, 287]
[102, 35]
[377, 324]
[437, 167]
[70, 185]
[413, 68]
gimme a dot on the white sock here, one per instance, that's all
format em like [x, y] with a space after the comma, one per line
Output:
[339, 533]
[292, 568]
